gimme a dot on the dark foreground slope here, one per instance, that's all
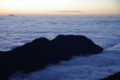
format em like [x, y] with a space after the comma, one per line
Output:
[41, 52]
[115, 76]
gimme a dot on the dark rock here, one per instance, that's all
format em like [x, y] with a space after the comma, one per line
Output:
[115, 76]
[41, 52]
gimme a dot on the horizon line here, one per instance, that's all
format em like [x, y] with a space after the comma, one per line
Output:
[61, 14]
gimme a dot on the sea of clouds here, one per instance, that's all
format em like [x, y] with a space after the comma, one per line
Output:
[104, 31]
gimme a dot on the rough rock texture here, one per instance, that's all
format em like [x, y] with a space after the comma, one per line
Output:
[40, 52]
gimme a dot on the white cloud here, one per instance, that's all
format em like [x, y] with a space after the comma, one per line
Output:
[92, 67]
[104, 31]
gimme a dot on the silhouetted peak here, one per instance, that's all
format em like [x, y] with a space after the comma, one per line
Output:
[37, 54]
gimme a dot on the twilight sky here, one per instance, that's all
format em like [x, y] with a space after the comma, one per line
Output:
[60, 7]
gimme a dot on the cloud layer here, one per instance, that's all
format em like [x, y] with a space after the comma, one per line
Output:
[70, 11]
[104, 31]
[93, 67]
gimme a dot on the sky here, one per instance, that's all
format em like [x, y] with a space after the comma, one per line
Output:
[60, 7]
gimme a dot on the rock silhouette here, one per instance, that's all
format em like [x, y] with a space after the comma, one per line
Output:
[115, 76]
[37, 54]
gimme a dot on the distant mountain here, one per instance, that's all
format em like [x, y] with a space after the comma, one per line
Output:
[11, 15]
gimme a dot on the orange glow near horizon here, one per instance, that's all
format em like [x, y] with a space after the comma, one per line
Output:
[60, 7]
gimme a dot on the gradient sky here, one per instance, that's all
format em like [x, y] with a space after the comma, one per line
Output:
[60, 7]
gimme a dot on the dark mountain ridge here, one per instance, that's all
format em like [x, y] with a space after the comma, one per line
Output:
[37, 54]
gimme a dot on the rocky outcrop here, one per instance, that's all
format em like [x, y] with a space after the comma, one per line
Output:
[115, 76]
[41, 52]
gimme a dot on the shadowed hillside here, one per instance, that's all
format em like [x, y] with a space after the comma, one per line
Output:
[37, 54]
